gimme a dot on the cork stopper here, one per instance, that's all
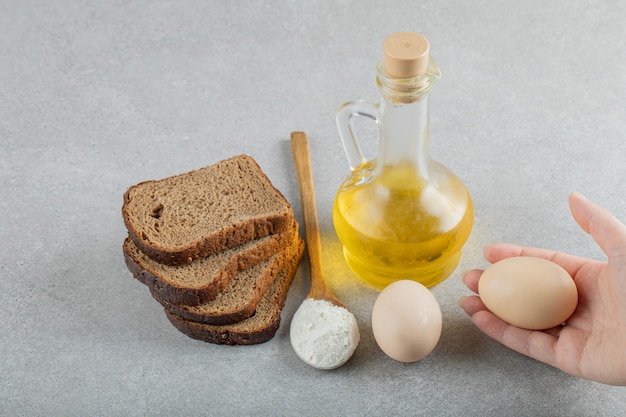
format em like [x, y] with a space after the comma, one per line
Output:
[406, 55]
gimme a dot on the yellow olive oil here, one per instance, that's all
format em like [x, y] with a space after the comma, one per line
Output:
[397, 226]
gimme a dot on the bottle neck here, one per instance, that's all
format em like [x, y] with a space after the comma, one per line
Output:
[404, 121]
[404, 136]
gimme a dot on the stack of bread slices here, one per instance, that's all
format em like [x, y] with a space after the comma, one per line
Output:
[217, 247]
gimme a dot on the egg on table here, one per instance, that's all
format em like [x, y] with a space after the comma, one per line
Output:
[406, 321]
[528, 292]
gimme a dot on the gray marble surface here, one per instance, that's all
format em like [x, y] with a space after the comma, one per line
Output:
[96, 96]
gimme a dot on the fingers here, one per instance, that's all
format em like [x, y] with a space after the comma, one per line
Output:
[471, 304]
[608, 232]
[496, 252]
[535, 344]
[471, 278]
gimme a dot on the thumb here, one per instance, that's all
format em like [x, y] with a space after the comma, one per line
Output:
[608, 232]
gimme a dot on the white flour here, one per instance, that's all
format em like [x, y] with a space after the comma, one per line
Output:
[323, 335]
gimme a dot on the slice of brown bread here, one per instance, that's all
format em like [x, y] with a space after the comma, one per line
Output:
[182, 218]
[202, 280]
[243, 293]
[259, 328]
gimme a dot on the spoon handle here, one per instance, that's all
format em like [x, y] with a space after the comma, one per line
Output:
[302, 159]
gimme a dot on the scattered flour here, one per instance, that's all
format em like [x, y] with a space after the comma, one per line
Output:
[323, 335]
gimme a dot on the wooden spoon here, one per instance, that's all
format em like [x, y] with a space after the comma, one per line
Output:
[300, 150]
[323, 333]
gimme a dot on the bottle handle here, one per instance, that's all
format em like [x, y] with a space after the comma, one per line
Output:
[346, 128]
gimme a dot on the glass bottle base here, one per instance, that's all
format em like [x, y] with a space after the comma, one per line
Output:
[429, 274]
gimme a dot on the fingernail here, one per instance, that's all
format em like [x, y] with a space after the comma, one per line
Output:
[463, 273]
[461, 300]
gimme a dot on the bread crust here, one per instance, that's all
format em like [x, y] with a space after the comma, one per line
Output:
[220, 315]
[166, 290]
[224, 335]
[225, 237]
[244, 332]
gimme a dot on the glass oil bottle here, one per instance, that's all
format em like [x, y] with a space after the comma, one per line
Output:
[401, 215]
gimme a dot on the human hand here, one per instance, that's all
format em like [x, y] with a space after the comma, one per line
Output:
[592, 342]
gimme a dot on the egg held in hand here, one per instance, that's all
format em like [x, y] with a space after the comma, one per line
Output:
[406, 321]
[527, 292]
